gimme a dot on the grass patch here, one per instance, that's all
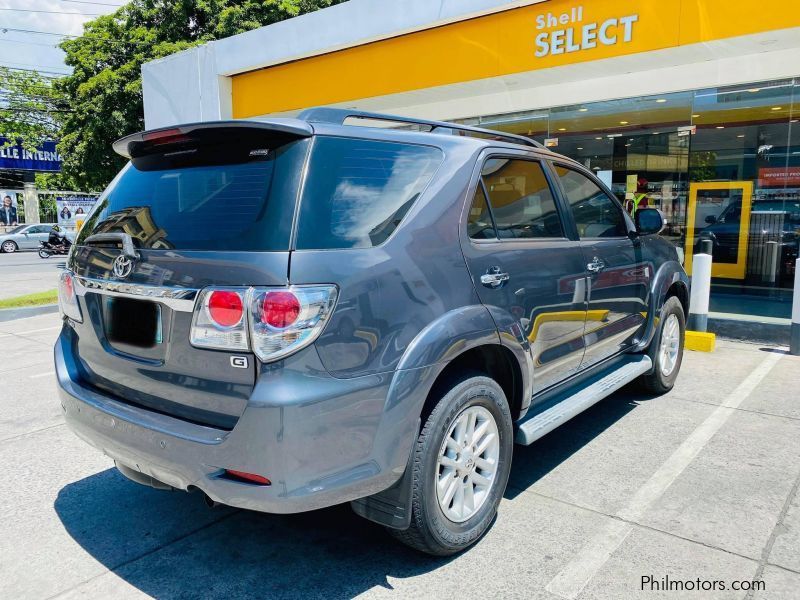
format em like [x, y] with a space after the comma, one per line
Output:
[37, 299]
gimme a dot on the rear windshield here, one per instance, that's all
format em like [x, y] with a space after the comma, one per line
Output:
[230, 197]
[358, 191]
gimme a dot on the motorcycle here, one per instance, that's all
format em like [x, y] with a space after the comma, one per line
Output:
[48, 249]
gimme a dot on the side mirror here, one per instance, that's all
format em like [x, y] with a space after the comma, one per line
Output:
[649, 221]
[711, 219]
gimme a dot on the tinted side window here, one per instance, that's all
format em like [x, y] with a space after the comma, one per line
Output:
[358, 191]
[479, 220]
[596, 215]
[521, 201]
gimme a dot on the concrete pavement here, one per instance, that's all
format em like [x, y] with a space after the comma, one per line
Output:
[699, 484]
[25, 273]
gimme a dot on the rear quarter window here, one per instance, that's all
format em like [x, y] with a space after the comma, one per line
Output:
[358, 191]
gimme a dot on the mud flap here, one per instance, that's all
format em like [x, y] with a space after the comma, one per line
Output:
[392, 506]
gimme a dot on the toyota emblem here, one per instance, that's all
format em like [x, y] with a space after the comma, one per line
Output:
[123, 265]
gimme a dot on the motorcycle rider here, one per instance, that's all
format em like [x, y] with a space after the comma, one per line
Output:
[57, 237]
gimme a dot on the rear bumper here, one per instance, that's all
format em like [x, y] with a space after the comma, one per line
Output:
[320, 440]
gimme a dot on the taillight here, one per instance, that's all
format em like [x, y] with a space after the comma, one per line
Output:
[225, 308]
[283, 321]
[279, 309]
[219, 320]
[271, 322]
[67, 298]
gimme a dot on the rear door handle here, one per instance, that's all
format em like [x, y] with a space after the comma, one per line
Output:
[596, 265]
[493, 278]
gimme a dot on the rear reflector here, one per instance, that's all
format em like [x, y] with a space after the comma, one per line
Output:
[247, 477]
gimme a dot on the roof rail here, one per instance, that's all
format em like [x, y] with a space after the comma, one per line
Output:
[338, 116]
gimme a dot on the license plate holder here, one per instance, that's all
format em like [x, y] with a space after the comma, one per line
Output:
[133, 322]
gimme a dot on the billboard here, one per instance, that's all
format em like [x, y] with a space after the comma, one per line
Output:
[8, 208]
[44, 158]
[73, 210]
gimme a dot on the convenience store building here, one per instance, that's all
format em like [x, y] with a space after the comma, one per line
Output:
[691, 106]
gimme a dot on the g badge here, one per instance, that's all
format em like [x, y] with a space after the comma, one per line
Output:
[239, 362]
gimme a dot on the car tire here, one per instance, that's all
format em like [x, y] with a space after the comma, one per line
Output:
[668, 352]
[9, 246]
[442, 526]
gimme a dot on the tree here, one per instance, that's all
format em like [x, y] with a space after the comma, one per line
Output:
[29, 107]
[105, 88]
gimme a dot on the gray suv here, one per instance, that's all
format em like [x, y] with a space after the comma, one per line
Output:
[287, 314]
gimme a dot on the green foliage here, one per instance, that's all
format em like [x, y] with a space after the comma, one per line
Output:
[29, 107]
[105, 88]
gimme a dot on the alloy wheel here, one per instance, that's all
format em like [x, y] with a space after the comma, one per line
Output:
[467, 464]
[670, 345]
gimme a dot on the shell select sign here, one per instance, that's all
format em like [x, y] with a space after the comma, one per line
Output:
[579, 36]
[499, 44]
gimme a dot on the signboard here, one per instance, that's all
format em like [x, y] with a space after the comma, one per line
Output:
[8, 208]
[778, 176]
[73, 210]
[44, 158]
[567, 32]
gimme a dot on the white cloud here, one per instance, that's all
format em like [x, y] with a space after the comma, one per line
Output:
[33, 51]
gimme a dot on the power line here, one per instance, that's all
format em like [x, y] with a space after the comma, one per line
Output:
[96, 3]
[52, 12]
[4, 29]
[35, 66]
[61, 73]
[38, 110]
[68, 35]
[29, 42]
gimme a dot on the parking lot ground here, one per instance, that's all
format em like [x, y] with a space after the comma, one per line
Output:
[699, 485]
[24, 273]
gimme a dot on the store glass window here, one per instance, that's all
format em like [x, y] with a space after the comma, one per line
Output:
[720, 163]
[744, 179]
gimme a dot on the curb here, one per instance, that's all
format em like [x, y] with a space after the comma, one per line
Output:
[11, 314]
[775, 334]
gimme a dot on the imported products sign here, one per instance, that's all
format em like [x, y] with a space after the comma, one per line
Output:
[73, 210]
[44, 158]
[779, 176]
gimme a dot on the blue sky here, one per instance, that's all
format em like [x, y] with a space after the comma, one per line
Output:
[26, 50]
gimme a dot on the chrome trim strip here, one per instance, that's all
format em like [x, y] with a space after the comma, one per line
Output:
[180, 299]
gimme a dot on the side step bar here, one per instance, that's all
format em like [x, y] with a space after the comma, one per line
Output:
[540, 424]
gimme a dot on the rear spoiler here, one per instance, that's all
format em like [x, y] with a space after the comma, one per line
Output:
[145, 142]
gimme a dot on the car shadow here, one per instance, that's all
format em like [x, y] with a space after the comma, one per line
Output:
[170, 545]
[533, 462]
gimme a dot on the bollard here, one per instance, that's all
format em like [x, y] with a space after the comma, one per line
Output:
[701, 288]
[771, 261]
[794, 344]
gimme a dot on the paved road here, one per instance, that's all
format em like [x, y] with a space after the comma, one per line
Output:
[26, 273]
[700, 483]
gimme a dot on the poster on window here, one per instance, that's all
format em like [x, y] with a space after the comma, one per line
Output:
[73, 210]
[9, 215]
